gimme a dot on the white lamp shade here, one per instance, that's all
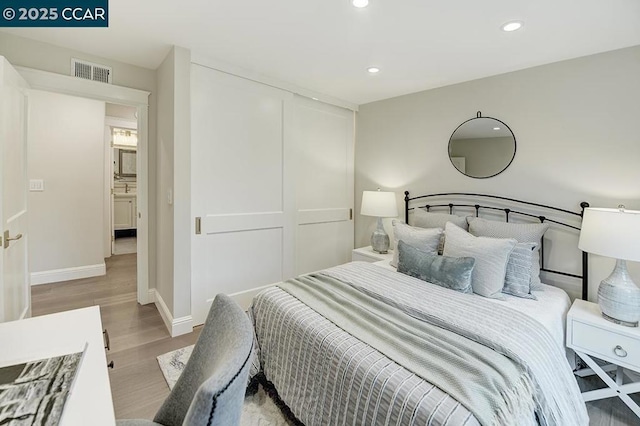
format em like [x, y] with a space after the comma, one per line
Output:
[379, 204]
[612, 233]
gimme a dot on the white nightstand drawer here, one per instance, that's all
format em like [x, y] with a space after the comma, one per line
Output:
[603, 343]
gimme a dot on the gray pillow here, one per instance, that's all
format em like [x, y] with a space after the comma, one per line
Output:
[424, 219]
[448, 272]
[517, 281]
[424, 239]
[491, 255]
[521, 232]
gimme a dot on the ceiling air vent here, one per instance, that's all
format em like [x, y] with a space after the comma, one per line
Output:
[91, 71]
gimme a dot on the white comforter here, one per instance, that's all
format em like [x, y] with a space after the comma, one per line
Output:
[550, 309]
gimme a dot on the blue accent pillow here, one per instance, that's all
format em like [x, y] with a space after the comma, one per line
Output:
[448, 272]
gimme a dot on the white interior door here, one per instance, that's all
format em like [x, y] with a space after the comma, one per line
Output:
[15, 302]
[240, 186]
[323, 139]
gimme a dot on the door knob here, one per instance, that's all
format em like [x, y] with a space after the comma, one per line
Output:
[7, 239]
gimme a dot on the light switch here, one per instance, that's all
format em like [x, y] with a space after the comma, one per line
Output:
[36, 185]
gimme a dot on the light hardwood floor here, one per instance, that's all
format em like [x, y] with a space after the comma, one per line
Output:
[137, 333]
[126, 245]
[138, 336]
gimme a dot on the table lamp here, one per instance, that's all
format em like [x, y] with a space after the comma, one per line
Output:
[379, 204]
[615, 233]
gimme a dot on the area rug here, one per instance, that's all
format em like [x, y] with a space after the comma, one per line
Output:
[259, 409]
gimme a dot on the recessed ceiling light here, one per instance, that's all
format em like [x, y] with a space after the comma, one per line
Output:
[512, 26]
[373, 70]
[360, 3]
[496, 128]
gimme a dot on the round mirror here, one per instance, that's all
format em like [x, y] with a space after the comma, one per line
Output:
[482, 147]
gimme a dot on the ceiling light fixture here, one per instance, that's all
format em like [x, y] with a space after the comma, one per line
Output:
[360, 3]
[496, 128]
[373, 70]
[512, 26]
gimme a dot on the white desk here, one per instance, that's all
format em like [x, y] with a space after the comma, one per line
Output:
[89, 402]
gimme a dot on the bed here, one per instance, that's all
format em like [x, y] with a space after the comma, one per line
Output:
[362, 344]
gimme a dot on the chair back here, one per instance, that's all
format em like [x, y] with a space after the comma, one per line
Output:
[211, 389]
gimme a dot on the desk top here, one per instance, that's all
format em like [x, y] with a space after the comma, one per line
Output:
[89, 402]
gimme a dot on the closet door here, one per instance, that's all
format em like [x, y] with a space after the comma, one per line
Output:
[239, 187]
[323, 148]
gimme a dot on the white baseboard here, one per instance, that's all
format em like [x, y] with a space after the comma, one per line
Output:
[182, 325]
[244, 298]
[177, 326]
[66, 274]
[26, 313]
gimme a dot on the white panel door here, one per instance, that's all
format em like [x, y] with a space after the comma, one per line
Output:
[15, 295]
[323, 149]
[238, 148]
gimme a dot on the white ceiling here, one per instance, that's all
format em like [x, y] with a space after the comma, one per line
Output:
[326, 45]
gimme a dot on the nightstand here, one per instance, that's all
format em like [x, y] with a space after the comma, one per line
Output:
[366, 254]
[590, 335]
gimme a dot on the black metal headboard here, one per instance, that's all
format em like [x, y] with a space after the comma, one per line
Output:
[507, 212]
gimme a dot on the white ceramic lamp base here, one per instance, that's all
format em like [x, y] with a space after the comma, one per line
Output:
[619, 297]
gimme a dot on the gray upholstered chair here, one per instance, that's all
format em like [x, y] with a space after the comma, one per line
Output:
[211, 389]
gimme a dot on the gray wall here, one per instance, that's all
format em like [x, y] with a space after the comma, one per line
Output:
[121, 111]
[575, 122]
[174, 175]
[164, 178]
[66, 150]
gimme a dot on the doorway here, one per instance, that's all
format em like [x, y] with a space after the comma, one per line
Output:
[121, 144]
[138, 99]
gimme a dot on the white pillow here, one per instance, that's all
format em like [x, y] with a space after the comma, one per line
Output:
[420, 238]
[491, 255]
[521, 232]
[517, 281]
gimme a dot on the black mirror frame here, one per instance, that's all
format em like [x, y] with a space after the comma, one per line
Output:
[479, 115]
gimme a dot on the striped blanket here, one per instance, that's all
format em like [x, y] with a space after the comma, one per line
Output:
[327, 376]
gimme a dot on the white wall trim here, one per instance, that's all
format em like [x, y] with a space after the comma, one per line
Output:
[224, 67]
[44, 80]
[182, 325]
[66, 274]
[165, 313]
[244, 298]
[177, 326]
